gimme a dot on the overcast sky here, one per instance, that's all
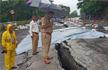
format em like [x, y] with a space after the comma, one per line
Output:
[71, 3]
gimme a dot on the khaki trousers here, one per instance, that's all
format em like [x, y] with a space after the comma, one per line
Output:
[35, 42]
[46, 40]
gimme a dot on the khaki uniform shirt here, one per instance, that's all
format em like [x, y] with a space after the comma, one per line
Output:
[45, 21]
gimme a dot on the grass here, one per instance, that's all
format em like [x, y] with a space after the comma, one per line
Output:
[1, 27]
[23, 22]
[20, 23]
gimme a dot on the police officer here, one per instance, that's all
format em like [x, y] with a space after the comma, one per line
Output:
[46, 32]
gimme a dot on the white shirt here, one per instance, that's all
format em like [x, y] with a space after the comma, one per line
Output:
[34, 27]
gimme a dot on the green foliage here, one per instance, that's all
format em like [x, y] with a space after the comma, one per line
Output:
[107, 11]
[20, 23]
[22, 11]
[92, 7]
[2, 27]
[51, 1]
[74, 14]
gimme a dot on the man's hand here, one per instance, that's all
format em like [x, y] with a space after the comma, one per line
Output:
[40, 23]
[31, 36]
[4, 49]
[39, 17]
[51, 23]
[45, 26]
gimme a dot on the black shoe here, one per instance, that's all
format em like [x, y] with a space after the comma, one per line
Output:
[14, 68]
[35, 53]
[20, 64]
[4, 51]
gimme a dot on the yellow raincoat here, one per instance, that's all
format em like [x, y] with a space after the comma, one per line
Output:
[6, 41]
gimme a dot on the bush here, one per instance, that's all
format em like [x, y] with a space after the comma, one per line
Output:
[28, 21]
[2, 27]
[20, 23]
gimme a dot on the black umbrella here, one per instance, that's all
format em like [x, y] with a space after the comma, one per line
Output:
[57, 9]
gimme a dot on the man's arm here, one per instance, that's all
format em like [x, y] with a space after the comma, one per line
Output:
[46, 26]
[39, 22]
[31, 29]
[3, 41]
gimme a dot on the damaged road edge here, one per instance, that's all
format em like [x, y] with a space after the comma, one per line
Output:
[66, 60]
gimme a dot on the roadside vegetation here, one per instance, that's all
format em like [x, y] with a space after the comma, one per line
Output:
[93, 9]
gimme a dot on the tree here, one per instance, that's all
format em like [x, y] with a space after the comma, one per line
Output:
[22, 11]
[92, 8]
[74, 14]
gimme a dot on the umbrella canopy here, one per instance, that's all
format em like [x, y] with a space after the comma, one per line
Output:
[36, 3]
[57, 9]
[64, 12]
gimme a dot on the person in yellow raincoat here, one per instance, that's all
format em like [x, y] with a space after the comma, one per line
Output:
[9, 43]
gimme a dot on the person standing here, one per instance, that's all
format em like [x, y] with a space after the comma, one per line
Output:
[46, 32]
[34, 30]
[40, 20]
[9, 43]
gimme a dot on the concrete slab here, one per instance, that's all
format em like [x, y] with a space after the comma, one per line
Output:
[36, 62]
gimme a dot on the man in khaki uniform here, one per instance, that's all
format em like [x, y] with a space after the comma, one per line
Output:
[46, 35]
[34, 30]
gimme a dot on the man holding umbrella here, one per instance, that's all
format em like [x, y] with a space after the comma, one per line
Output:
[46, 35]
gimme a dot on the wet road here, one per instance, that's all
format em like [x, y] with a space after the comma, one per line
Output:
[21, 34]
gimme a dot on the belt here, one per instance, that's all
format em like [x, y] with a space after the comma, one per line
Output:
[35, 32]
[47, 33]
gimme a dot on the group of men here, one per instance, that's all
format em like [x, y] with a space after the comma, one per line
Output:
[9, 41]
